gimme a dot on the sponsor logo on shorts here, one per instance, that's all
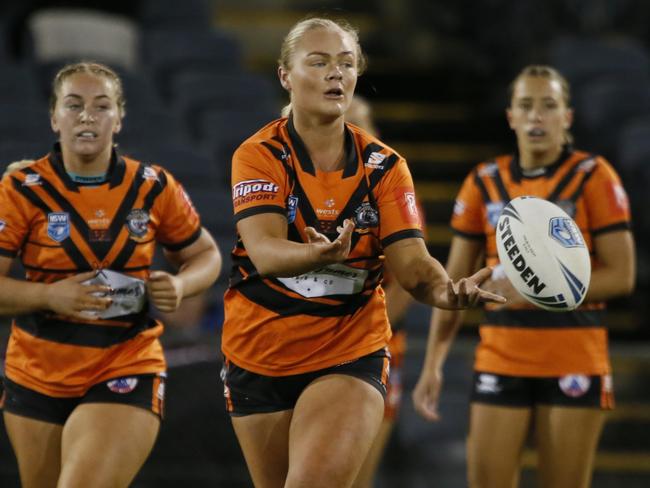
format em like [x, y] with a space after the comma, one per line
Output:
[58, 226]
[488, 383]
[122, 385]
[574, 385]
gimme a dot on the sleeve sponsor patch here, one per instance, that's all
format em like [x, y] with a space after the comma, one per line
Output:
[253, 190]
[408, 205]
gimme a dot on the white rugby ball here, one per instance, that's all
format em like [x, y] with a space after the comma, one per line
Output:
[543, 253]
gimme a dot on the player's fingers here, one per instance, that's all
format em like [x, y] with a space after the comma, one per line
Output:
[81, 277]
[486, 296]
[481, 275]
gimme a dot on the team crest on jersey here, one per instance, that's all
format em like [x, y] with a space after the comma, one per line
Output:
[374, 160]
[58, 226]
[292, 207]
[494, 209]
[137, 223]
[366, 216]
[122, 385]
[574, 385]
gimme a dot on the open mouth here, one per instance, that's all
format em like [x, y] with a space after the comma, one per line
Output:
[87, 135]
[536, 132]
[334, 93]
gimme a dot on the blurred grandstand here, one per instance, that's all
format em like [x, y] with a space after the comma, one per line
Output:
[199, 77]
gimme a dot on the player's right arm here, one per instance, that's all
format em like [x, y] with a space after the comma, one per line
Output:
[465, 256]
[66, 297]
[265, 238]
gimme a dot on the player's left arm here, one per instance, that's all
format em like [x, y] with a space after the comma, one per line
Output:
[199, 265]
[614, 273]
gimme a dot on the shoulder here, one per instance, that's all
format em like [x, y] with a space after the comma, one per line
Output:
[490, 167]
[590, 162]
[371, 145]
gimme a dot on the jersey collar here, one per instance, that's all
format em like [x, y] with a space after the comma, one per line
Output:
[351, 158]
[548, 171]
[116, 169]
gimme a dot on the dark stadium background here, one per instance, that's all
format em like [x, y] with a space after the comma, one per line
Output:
[199, 77]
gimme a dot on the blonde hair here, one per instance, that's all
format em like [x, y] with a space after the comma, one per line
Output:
[544, 71]
[310, 23]
[93, 68]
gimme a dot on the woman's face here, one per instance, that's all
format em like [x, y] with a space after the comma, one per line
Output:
[538, 114]
[86, 115]
[323, 72]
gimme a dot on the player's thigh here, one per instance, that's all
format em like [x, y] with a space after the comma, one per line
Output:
[494, 445]
[37, 446]
[105, 444]
[567, 439]
[264, 440]
[334, 424]
[370, 466]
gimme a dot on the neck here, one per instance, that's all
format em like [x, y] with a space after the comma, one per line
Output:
[324, 141]
[86, 165]
[537, 159]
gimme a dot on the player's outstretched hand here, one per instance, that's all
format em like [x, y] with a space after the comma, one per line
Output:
[325, 251]
[466, 292]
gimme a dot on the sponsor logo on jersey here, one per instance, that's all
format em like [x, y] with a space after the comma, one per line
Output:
[327, 212]
[292, 207]
[565, 231]
[488, 170]
[574, 385]
[149, 173]
[122, 385]
[587, 165]
[494, 210]
[253, 190]
[366, 216]
[459, 207]
[3, 224]
[405, 198]
[32, 180]
[374, 160]
[488, 383]
[137, 223]
[58, 226]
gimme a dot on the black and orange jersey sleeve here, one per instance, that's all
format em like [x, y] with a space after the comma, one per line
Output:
[259, 182]
[398, 208]
[179, 224]
[467, 218]
[14, 219]
[606, 201]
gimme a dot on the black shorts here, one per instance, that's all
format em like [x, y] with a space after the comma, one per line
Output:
[144, 390]
[248, 393]
[574, 390]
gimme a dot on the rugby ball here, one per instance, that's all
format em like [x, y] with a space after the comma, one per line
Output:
[543, 253]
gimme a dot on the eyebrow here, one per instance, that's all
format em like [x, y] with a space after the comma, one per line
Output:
[319, 53]
[74, 95]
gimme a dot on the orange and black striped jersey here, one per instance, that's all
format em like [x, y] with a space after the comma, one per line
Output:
[283, 326]
[59, 228]
[524, 340]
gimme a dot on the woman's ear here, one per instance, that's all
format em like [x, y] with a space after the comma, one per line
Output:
[283, 74]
